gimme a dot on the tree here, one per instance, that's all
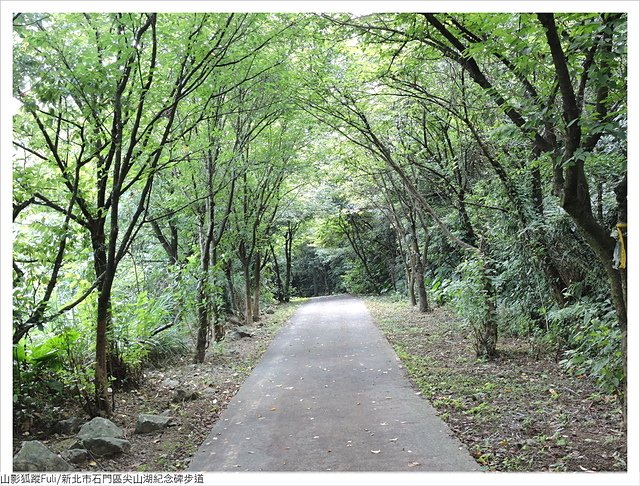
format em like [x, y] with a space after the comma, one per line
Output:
[165, 161]
[108, 135]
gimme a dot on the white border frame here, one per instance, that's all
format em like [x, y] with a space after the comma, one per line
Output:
[631, 7]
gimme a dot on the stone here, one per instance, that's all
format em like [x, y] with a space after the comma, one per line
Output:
[269, 311]
[75, 456]
[239, 333]
[151, 423]
[69, 426]
[184, 395]
[106, 446]
[35, 456]
[169, 383]
[100, 427]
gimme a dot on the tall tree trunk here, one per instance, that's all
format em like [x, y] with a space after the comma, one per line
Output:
[418, 268]
[256, 289]
[287, 281]
[423, 302]
[486, 331]
[621, 199]
[288, 248]
[101, 376]
[411, 288]
[231, 300]
[276, 269]
[103, 319]
[423, 263]
[248, 308]
[571, 181]
[202, 305]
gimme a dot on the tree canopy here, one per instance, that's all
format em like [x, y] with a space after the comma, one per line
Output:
[175, 171]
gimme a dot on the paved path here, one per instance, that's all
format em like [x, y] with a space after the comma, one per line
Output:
[329, 394]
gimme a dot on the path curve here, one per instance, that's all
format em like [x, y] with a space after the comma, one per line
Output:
[330, 395]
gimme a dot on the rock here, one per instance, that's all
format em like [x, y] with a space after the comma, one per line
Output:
[76, 456]
[101, 437]
[239, 333]
[100, 427]
[106, 446]
[269, 311]
[183, 395]
[69, 426]
[209, 392]
[151, 423]
[169, 383]
[35, 456]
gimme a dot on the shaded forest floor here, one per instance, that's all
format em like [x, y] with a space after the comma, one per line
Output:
[516, 413]
[194, 394]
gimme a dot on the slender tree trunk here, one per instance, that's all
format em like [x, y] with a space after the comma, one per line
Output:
[405, 253]
[423, 303]
[214, 309]
[103, 320]
[621, 199]
[418, 269]
[411, 288]
[423, 263]
[287, 281]
[487, 330]
[248, 308]
[599, 208]
[103, 328]
[230, 294]
[202, 304]
[288, 248]
[571, 183]
[279, 286]
[256, 288]
[218, 325]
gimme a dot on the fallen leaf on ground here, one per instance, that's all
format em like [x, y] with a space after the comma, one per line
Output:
[376, 452]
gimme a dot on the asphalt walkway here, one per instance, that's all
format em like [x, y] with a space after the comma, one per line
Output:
[330, 395]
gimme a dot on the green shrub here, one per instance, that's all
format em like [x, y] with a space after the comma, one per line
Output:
[470, 299]
[592, 340]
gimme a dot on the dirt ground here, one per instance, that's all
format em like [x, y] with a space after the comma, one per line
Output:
[194, 395]
[516, 413]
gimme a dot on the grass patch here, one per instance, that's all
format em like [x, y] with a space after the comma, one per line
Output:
[516, 413]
